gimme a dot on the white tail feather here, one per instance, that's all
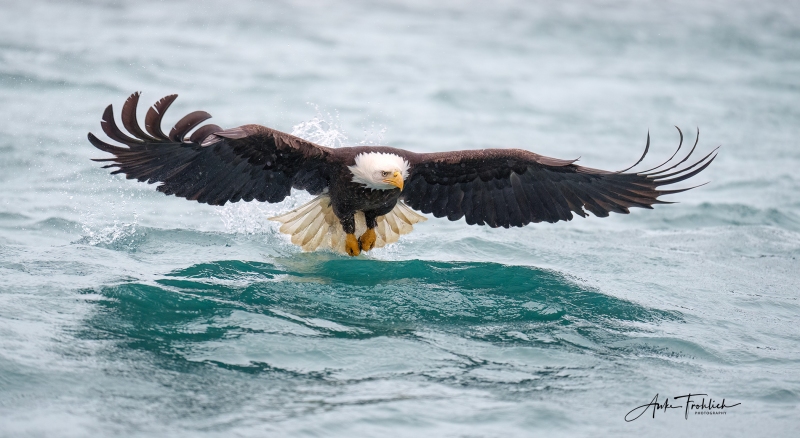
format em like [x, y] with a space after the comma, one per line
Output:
[313, 226]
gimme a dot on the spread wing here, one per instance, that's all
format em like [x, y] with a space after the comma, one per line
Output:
[512, 187]
[212, 165]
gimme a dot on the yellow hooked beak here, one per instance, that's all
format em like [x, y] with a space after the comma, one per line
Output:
[396, 180]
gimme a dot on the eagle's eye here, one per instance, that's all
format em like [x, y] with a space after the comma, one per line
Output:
[384, 173]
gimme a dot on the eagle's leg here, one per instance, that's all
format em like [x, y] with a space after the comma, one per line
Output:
[351, 245]
[367, 240]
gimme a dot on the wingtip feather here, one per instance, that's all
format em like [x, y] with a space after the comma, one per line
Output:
[646, 149]
[155, 114]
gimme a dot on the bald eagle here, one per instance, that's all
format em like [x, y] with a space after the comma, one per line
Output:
[363, 193]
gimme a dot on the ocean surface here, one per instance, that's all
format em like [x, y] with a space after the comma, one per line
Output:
[124, 312]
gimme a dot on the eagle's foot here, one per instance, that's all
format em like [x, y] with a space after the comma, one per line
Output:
[367, 240]
[351, 245]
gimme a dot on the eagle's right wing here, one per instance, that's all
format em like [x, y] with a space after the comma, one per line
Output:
[213, 165]
[513, 187]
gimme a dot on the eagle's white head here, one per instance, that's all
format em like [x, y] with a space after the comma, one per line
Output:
[380, 171]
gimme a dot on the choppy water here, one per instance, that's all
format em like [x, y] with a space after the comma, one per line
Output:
[126, 312]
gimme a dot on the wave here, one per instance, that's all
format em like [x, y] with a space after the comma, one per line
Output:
[254, 314]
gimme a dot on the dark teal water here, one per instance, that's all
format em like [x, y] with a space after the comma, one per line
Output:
[124, 312]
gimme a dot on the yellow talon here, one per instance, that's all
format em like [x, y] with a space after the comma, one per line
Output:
[367, 240]
[351, 245]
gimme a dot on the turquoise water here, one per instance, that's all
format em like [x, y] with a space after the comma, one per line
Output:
[125, 312]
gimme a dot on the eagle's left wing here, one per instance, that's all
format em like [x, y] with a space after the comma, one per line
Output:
[513, 187]
[212, 165]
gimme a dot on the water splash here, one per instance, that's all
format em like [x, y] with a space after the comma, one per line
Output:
[118, 233]
[247, 218]
[373, 135]
[322, 129]
[325, 129]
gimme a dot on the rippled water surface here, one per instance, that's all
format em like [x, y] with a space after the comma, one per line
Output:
[125, 312]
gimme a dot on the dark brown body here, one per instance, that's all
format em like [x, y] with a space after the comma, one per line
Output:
[348, 197]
